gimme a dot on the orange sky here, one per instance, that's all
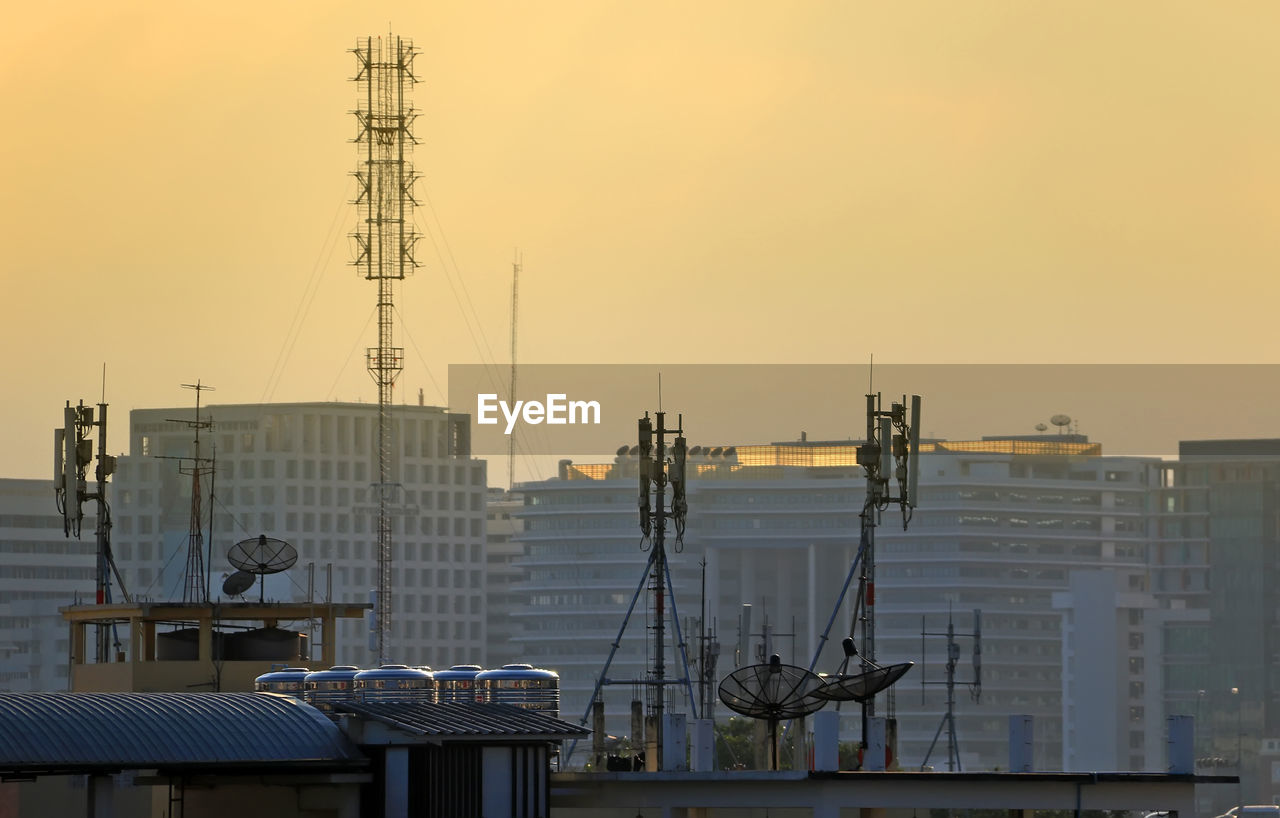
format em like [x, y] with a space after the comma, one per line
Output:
[743, 181]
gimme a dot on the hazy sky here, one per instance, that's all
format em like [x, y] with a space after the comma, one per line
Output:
[715, 182]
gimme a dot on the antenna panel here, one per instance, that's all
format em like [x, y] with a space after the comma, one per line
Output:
[913, 454]
[886, 447]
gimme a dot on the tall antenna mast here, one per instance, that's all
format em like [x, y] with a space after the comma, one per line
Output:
[195, 585]
[515, 314]
[384, 244]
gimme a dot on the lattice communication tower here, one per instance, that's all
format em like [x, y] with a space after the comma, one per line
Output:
[384, 251]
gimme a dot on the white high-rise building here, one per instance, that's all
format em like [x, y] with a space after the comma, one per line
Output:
[41, 569]
[304, 473]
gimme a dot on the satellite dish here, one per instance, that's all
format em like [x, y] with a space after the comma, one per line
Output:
[774, 692]
[1040, 427]
[237, 583]
[861, 687]
[1060, 420]
[262, 555]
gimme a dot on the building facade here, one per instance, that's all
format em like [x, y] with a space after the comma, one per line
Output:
[40, 569]
[1235, 685]
[305, 473]
[503, 551]
[1001, 526]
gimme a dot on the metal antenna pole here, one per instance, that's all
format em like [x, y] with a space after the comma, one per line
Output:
[948, 720]
[515, 315]
[385, 241]
[654, 479]
[659, 579]
[195, 584]
[868, 578]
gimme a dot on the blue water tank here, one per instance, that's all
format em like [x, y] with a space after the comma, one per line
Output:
[398, 683]
[457, 684]
[288, 681]
[321, 688]
[522, 685]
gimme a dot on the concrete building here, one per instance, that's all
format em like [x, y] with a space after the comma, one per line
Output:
[1002, 524]
[40, 569]
[303, 472]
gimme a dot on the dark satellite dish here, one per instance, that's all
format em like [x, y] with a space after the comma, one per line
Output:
[1060, 420]
[237, 583]
[262, 555]
[1040, 427]
[773, 692]
[861, 687]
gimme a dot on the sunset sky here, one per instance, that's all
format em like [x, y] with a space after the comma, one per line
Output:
[706, 182]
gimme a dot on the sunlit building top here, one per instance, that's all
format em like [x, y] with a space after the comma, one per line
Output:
[722, 461]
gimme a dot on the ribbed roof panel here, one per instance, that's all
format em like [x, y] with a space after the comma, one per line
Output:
[465, 719]
[145, 730]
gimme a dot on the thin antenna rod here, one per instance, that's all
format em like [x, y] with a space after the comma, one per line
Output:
[515, 314]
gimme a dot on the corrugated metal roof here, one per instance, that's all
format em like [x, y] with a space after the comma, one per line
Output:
[465, 719]
[63, 731]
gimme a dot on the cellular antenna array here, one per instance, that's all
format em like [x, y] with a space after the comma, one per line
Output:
[72, 456]
[889, 455]
[662, 499]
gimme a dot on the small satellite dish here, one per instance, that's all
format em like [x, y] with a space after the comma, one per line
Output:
[622, 451]
[262, 555]
[1060, 420]
[774, 692]
[1040, 427]
[237, 583]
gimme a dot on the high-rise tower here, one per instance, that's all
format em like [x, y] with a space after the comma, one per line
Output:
[384, 252]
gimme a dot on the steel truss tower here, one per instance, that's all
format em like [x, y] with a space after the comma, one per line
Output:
[384, 252]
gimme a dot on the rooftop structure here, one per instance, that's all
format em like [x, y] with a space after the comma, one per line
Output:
[186, 646]
[1001, 525]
